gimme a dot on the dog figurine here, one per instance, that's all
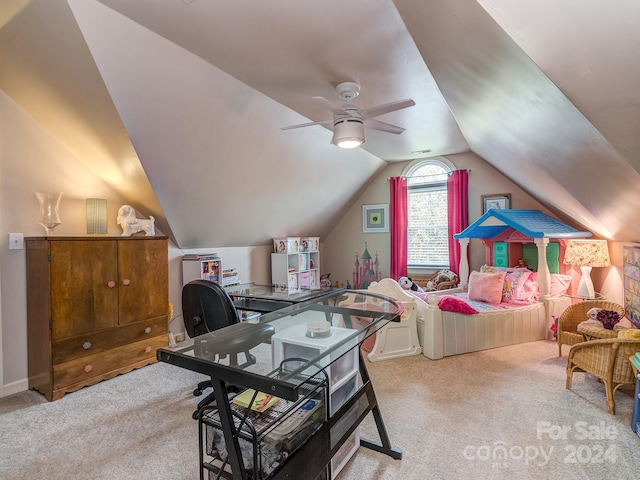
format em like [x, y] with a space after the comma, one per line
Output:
[130, 224]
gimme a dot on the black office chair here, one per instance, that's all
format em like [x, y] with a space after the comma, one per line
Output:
[207, 307]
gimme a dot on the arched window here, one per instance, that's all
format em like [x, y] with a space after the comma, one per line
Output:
[428, 244]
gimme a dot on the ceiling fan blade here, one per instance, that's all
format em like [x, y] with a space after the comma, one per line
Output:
[330, 105]
[291, 127]
[382, 126]
[386, 108]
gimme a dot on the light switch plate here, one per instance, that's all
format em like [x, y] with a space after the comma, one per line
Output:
[16, 241]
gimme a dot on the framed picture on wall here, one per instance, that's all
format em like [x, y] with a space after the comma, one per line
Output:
[498, 201]
[375, 218]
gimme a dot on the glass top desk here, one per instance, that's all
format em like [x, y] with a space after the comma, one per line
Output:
[267, 298]
[218, 354]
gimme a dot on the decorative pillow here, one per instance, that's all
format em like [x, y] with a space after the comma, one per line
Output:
[452, 304]
[529, 292]
[486, 287]
[559, 284]
[513, 282]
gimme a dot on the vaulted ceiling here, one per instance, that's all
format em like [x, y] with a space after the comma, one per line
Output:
[179, 104]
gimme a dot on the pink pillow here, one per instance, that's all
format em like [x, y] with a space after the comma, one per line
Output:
[513, 282]
[452, 304]
[486, 287]
[529, 292]
[559, 284]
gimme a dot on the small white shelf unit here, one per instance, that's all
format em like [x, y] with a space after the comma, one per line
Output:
[207, 269]
[296, 271]
[295, 263]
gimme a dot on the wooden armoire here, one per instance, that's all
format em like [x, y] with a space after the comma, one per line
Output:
[96, 307]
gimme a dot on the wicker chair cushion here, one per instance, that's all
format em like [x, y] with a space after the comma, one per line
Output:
[629, 333]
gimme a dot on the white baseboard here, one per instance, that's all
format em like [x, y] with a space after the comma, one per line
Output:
[15, 387]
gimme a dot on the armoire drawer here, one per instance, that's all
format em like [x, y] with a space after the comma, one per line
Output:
[99, 364]
[107, 339]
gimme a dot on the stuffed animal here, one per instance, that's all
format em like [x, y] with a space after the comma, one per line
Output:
[554, 326]
[440, 280]
[408, 284]
[593, 314]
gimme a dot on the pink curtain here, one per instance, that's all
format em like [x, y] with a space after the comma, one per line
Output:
[458, 205]
[398, 226]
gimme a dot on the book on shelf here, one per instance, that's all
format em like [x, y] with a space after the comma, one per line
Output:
[229, 281]
[230, 277]
[200, 256]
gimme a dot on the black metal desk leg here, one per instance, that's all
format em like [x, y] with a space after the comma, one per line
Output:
[385, 446]
[229, 430]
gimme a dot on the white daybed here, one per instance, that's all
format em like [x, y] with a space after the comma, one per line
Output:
[443, 333]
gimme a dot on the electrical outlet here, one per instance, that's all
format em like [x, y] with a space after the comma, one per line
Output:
[179, 336]
[16, 241]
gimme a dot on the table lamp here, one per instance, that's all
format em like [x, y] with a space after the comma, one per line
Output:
[96, 210]
[586, 254]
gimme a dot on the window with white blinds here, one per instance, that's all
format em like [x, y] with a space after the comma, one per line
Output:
[428, 244]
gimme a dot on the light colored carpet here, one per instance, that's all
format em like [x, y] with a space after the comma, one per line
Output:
[486, 415]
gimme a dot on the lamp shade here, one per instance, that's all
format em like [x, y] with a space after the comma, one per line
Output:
[587, 253]
[348, 133]
[96, 216]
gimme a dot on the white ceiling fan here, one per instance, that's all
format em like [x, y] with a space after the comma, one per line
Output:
[350, 121]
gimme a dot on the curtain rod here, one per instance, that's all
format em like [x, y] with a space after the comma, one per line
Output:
[436, 174]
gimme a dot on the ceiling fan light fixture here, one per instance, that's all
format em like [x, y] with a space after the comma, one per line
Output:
[348, 133]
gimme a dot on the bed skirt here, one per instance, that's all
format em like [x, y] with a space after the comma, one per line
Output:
[448, 333]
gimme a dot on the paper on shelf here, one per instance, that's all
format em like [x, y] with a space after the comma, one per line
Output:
[260, 403]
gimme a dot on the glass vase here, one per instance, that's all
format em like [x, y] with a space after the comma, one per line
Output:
[49, 207]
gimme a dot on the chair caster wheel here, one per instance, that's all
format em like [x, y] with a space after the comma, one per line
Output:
[194, 415]
[197, 392]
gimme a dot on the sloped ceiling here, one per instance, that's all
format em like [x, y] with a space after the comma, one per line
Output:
[178, 104]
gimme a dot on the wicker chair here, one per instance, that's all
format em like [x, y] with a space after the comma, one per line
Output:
[567, 333]
[607, 360]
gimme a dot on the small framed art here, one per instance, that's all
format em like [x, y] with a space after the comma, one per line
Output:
[375, 218]
[498, 201]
